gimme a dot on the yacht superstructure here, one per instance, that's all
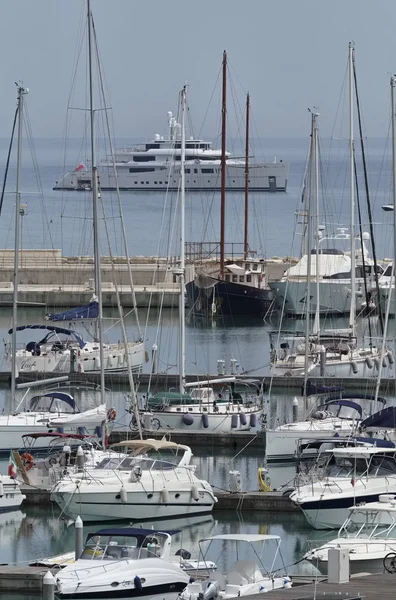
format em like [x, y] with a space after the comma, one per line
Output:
[155, 166]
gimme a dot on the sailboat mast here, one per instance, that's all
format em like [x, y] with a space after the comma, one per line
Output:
[393, 281]
[316, 325]
[245, 243]
[182, 316]
[309, 252]
[352, 312]
[94, 186]
[21, 91]
[223, 164]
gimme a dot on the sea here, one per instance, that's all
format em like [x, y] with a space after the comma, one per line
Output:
[62, 220]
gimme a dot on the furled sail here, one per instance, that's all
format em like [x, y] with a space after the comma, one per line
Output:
[88, 311]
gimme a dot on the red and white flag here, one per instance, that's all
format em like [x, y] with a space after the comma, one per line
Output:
[79, 167]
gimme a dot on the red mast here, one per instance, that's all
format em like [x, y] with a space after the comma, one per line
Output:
[245, 243]
[223, 163]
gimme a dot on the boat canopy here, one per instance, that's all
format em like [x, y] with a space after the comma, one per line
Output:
[135, 532]
[359, 397]
[149, 445]
[57, 435]
[313, 389]
[70, 332]
[347, 403]
[88, 311]
[241, 537]
[383, 419]
[63, 396]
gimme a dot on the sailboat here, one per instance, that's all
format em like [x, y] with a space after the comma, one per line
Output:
[331, 352]
[240, 286]
[197, 406]
[55, 409]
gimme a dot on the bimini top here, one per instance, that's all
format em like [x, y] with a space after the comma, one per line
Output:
[62, 396]
[241, 537]
[74, 334]
[149, 445]
[136, 532]
[57, 435]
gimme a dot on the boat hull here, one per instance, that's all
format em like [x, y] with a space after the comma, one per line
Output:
[11, 497]
[86, 360]
[265, 177]
[331, 513]
[140, 506]
[356, 565]
[245, 419]
[168, 591]
[212, 297]
[334, 296]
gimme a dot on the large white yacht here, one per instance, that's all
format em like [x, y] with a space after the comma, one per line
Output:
[156, 166]
[333, 279]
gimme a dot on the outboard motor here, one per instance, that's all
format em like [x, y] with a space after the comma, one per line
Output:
[211, 590]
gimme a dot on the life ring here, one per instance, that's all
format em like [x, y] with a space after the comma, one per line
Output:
[111, 414]
[28, 460]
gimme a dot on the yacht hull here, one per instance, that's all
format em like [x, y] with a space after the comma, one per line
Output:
[332, 513]
[334, 296]
[140, 506]
[11, 497]
[86, 360]
[266, 177]
[209, 296]
[170, 591]
[220, 422]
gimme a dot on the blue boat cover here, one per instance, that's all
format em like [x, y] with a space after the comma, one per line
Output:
[63, 396]
[312, 389]
[89, 311]
[70, 332]
[383, 418]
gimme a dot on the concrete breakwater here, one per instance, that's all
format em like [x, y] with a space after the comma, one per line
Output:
[46, 277]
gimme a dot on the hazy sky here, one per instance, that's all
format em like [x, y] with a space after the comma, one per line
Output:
[290, 55]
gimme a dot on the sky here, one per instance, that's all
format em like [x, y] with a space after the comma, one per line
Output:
[289, 54]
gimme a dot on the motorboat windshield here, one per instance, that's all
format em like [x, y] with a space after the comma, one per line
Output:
[371, 466]
[153, 462]
[129, 544]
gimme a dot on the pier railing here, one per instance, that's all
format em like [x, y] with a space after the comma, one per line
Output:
[199, 252]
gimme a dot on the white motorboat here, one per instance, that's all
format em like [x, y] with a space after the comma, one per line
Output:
[155, 166]
[244, 577]
[155, 481]
[11, 496]
[368, 535]
[238, 406]
[121, 563]
[54, 410]
[350, 476]
[64, 350]
[336, 413]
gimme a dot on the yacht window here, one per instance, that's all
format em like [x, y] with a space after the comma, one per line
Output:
[235, 278]
[144, 158]
[155, 183]
[187, 170]
[207, 171]
[255, 267]
[241, 278]
[248, 278]
[141, 169]
[195, 170]
[152, 146]
[380, 466]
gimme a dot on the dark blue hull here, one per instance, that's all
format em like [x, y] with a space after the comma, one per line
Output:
[210, 297]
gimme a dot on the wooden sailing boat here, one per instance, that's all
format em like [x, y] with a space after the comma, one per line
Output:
[239, 287]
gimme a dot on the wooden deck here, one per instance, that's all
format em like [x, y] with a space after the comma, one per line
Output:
[367, 587]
